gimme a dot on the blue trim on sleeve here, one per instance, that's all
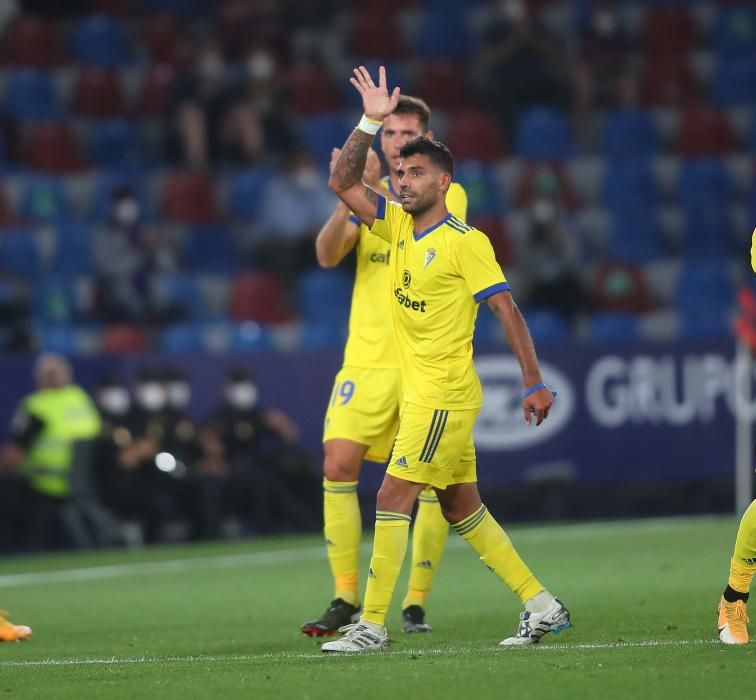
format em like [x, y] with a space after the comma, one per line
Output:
[380, 211]
[483, 294]
[354, 220]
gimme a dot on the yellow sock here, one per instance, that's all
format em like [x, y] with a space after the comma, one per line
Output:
[496, 551]
[389, 548]
[343, 532]
[743, 564]
[429, 535]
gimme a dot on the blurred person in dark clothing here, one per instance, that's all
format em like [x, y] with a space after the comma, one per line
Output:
[270, 477]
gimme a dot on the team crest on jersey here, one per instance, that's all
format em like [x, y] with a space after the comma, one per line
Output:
[429, 255]
[406, 279]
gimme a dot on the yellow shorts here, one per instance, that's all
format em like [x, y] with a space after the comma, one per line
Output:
[364, 408]
[434, 447]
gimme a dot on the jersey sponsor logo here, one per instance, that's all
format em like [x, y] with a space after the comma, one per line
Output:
[430, 254]
[500, 425]
[380, 258]
[407, 302]
[406, 278]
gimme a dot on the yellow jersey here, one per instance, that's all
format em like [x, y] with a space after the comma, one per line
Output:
[371, 344]
[753, 251]
[438, 278]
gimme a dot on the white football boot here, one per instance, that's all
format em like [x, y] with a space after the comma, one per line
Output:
[359, 637]
[534, 625]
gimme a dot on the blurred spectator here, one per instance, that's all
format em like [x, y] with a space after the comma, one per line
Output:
[52, 443]
[520, 64]
[270, 476]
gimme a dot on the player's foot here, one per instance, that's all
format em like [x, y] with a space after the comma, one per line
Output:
[733, 622]
[413, 619]
[12, 633]
[534, 625]
[339, 614]
[359, 637]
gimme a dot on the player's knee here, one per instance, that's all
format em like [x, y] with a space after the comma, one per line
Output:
[453, 514]
[340, 469]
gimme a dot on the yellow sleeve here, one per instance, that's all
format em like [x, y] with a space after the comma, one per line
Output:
[753, 251]
[389, 217]
[456, 201]
[476, 262]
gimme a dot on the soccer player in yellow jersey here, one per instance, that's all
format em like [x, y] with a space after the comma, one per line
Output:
[363, 411]
[12, 633]
[732, 621]
[440, 270]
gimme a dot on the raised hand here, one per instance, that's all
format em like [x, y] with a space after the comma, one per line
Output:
[376, 102]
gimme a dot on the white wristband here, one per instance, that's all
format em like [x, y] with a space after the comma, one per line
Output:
[369, 126]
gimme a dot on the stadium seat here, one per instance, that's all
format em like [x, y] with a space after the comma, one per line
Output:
[52, 147]
[124, 339]
[636, 237]
[250, 336]
[708, 231]
[324, 296]
[734, 82]
[543, 134]
[629, 185]
[56, 300]
[5, 212]
[539, 178]
[705, 297]
[155, 90]
[100, 40]
[184, 337]
[43, 199]
[366, 40]
[670, 30]
[30, 96]
[258, 296]
[705, 131]
[98, 93]
[73, 250]
[107, 182]
[703, 180]
[620, 287]
[629, 133]
[246, 192]
[115, 142]
[614, 328]
[180, 295]
[312, 91]
[210, 249]
[442, 35]
[475, 135]
[180, 8]
[668, 81]
[734, 32]
[189, 198]
[162, 36]
[66, 339]
[444, 85]
[547, 326]
[316, 335]
[33, 42]
[20, 254]
[322, 133]
[695, 325]
[485, 194]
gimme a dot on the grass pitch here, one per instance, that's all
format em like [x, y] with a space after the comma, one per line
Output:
[222, 620]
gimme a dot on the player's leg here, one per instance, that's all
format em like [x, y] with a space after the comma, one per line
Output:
[429, 534]
[733, 618]
[12, 633]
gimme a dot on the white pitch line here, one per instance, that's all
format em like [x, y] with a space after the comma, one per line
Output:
[450, 651]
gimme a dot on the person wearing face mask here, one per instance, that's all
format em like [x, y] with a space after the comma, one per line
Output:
[270, 479]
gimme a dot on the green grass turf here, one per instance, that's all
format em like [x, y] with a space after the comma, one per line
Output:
[210, 627]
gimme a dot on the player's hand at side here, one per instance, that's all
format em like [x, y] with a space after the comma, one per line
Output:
[376, 102]
[537, 405]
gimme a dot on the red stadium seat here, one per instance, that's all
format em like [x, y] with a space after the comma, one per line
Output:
[496, 230]
[124, 340]
[312, 91]
[620, 287]
[155, 91]
[33, 42]
[258, 296]
[163, 38]
[529, 177]
[377, 35]
[51, 146]
[189, 198]
[670, 30]
[443, 85]
[98, 93]
[5, 213]
[475, 135]
[668, 80]
[705, 131]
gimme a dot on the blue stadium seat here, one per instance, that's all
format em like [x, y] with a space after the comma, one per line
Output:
[324, 296]
[636, 236]
[182, 292]
[101, 40]
[485, 195]
[43, 198]
[61, 338]
[734, 31]
[543, 134]
[20, 253]
[114, 142]
[442, 35]
[708, 231]
[547, 326]
[629, 133]
[704, 179]
[734, 82]
[210, 249]
[247, 189]
[695, 325]
[106, 182]
[249, 337]
[629, 184]
[54, 300]
[614, 328]
[190, 336]
[30, 95]
[705, 288]
[324, 132]
[73, 250]
[320, 336]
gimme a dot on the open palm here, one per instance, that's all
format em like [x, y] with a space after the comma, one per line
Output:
[376, 102]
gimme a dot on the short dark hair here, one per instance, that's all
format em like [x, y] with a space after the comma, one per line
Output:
[416, 106]
[435, 150]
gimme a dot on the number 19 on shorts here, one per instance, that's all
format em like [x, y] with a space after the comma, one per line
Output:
[342, 393]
